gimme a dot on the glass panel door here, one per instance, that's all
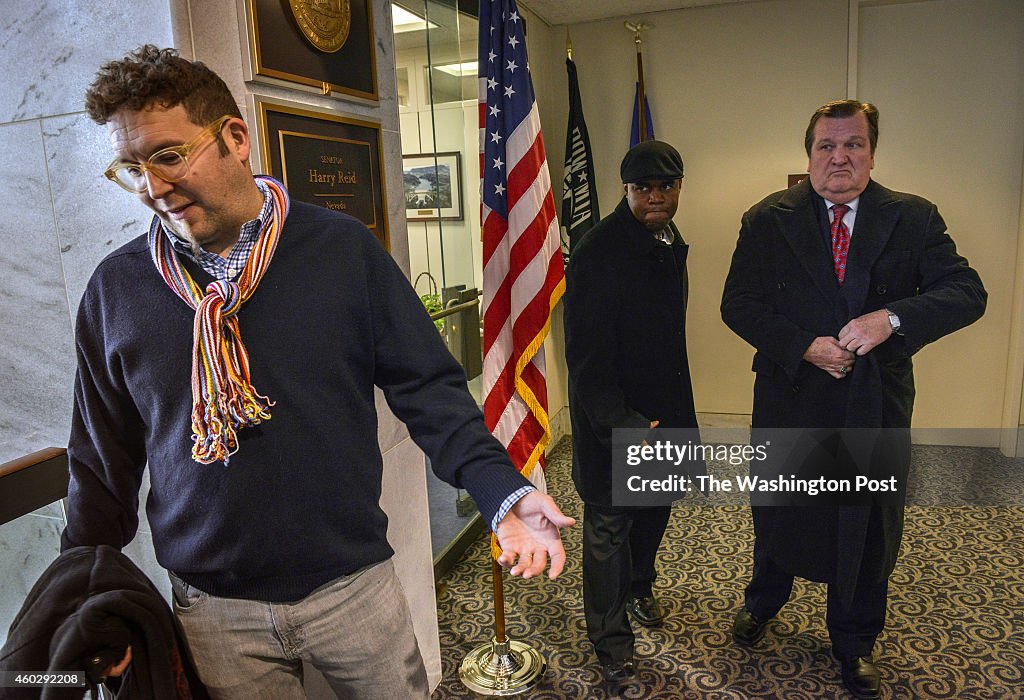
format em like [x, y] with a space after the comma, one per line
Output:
[435, 57]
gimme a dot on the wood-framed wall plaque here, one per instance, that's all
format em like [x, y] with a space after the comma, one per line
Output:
[327, 45]
[326, 159]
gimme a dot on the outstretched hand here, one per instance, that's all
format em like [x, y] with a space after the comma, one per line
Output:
[529, 534]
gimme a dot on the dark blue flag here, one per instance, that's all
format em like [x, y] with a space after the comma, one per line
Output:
[634, 130]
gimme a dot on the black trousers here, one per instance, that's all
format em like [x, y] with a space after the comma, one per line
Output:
[852, 630]
[619, 548]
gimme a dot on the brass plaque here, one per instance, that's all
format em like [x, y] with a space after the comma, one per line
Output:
[326, 159]
[324, 23]
[336, 173]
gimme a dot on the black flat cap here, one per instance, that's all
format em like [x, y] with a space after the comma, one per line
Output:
[651, 160]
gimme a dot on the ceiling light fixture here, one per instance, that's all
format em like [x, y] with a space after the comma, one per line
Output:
[403, 20]
[460, 70]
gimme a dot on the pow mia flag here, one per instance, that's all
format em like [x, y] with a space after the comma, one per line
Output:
[580, 210]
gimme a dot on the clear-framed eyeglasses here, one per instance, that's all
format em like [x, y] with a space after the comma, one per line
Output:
[169, 164]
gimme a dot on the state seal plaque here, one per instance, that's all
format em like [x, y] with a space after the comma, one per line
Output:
[326, 46]
[324, 23]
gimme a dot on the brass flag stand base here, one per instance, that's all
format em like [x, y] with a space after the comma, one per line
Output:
[502, 667]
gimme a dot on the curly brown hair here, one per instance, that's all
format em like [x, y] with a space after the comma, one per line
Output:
[151, 76]
[841, 109]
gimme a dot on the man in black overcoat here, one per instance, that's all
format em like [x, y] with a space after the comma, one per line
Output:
[625, 336]
[836, 303]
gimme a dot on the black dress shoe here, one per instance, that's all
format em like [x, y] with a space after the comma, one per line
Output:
[616, 674]
[647, 610]
[747, 629]
[861, 677]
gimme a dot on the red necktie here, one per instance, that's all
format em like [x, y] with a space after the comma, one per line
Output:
[840, 240]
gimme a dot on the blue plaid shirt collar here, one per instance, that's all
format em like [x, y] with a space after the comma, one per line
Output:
[230, 267]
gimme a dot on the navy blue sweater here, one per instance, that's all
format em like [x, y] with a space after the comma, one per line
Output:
[298, 505]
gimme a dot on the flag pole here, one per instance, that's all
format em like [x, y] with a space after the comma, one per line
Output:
[568, 44]
[499, 602]
[640, 95]
[505, 666]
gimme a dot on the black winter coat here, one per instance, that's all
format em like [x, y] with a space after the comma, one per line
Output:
[81, 615]
[781, 293]
[625, 342]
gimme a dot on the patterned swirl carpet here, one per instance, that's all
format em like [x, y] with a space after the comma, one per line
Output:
[955, 625]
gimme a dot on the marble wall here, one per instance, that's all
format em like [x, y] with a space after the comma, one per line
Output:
[61, 218]
[68, 217]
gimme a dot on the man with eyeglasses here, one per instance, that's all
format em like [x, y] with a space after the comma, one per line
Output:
[266, 476]
[625, 336]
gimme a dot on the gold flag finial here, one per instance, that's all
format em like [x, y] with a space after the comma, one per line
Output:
[636, 28]
[568, 44]
[641, 94]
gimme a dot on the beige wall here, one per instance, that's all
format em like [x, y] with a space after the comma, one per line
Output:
[733, 86]
[1012, 442]
[546, 48]
[948, 76]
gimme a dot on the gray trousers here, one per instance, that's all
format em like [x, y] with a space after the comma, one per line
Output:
[355, 630]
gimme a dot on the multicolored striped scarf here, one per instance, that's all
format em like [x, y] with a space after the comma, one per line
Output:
[223, 398]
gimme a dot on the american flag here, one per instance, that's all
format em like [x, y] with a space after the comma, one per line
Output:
[523, 272]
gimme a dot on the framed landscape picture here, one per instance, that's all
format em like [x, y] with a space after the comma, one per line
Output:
[433, 186]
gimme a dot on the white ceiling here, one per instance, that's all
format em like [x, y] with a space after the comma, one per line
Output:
[449, 25]
[574, 11]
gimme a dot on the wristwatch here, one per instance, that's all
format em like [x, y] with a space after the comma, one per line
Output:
[894, 321]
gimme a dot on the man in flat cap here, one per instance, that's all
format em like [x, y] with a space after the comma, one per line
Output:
[625, 323]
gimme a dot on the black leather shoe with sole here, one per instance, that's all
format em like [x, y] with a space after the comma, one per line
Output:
[747, 629]
[647, 610]
[617, 674]
[861, 677]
